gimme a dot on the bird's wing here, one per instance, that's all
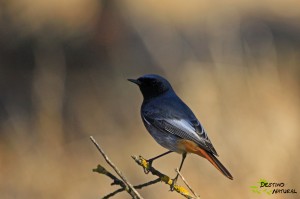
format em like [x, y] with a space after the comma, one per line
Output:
[201, 132]
[182, 128]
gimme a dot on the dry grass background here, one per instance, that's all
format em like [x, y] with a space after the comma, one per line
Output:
[63, 71]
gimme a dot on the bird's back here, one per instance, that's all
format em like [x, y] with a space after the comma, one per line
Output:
[170, 105]
[171, 109]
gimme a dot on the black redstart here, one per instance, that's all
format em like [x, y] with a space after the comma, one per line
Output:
[172, 123]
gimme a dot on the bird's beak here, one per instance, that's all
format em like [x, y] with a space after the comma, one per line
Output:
[135, 81]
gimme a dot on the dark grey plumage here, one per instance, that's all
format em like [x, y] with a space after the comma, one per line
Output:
[172, 123]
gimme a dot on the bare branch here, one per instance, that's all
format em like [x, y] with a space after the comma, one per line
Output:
[116, 181]
[181, 190]
[126, 186]
[140, 186]
[101, 170]
[129, 188]
[113, 193]
[187, 184]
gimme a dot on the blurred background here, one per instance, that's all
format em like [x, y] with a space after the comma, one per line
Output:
[63, 71]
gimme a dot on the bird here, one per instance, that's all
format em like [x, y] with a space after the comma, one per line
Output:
[172, 123]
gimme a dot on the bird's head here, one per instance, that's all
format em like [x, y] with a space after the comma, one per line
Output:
[152, 85]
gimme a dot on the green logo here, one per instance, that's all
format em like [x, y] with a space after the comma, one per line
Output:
[265, 187]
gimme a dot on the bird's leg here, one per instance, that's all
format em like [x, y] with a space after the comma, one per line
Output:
[149, 161]
[175, 179]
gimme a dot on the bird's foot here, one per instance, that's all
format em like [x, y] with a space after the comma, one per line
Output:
[149, 165]
[172, 186]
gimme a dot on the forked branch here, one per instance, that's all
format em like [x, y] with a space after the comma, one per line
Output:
[126, 186]
[164, 178]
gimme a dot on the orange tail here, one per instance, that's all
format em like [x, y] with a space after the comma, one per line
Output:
[214, 161]
[192, 147]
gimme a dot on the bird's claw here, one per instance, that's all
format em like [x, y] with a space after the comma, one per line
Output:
[172, 186]
[147, 170]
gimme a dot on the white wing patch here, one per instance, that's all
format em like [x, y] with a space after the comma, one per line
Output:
[146, 120]
[184, 126]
